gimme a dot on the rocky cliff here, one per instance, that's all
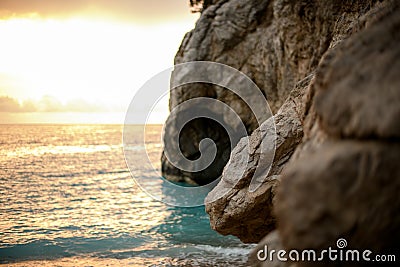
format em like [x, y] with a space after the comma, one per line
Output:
[275, 43]
[330, 71]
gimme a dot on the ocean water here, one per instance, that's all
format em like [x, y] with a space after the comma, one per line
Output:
[67, 199]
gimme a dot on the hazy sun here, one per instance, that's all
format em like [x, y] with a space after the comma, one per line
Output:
[91, 60]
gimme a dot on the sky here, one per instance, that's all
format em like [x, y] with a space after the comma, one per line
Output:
[81, 61]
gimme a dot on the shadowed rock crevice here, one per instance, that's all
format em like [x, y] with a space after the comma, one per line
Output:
[207, 128]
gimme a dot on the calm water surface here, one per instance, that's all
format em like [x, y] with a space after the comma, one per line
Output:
[67, 199]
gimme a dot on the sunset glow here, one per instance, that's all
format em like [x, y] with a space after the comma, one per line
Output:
[81, 64]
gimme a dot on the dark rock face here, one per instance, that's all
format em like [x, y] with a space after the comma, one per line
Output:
[348, 186]
[369, 96]
[276, 43]
[192, 133]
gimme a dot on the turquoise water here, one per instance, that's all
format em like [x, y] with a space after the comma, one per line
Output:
[67, 199]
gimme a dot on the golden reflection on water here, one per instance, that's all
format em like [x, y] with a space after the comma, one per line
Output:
[59, 186]
[79, 261]
[42, 150]
[67, 199]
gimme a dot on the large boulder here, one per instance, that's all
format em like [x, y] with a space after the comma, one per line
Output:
[347, 189]
[233, 209]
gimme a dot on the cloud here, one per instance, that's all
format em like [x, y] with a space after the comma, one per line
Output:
[8, 104]
[136, 10]
[49, 104]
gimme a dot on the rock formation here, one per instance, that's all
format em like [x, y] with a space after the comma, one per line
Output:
[331, 73]
[348, 187]
[227, 212]
[276, 43]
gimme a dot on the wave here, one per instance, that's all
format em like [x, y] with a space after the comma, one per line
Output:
[77, 174]
[65, 247]
[227, 251]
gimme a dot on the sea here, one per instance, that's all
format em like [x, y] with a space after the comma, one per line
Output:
[68, 199]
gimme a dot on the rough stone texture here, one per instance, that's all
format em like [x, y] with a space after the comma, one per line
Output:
[343, 180]
[254, 221]
[369, 99]
[227, 204]
[275, 42]
[248, 215]
[347, 189]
